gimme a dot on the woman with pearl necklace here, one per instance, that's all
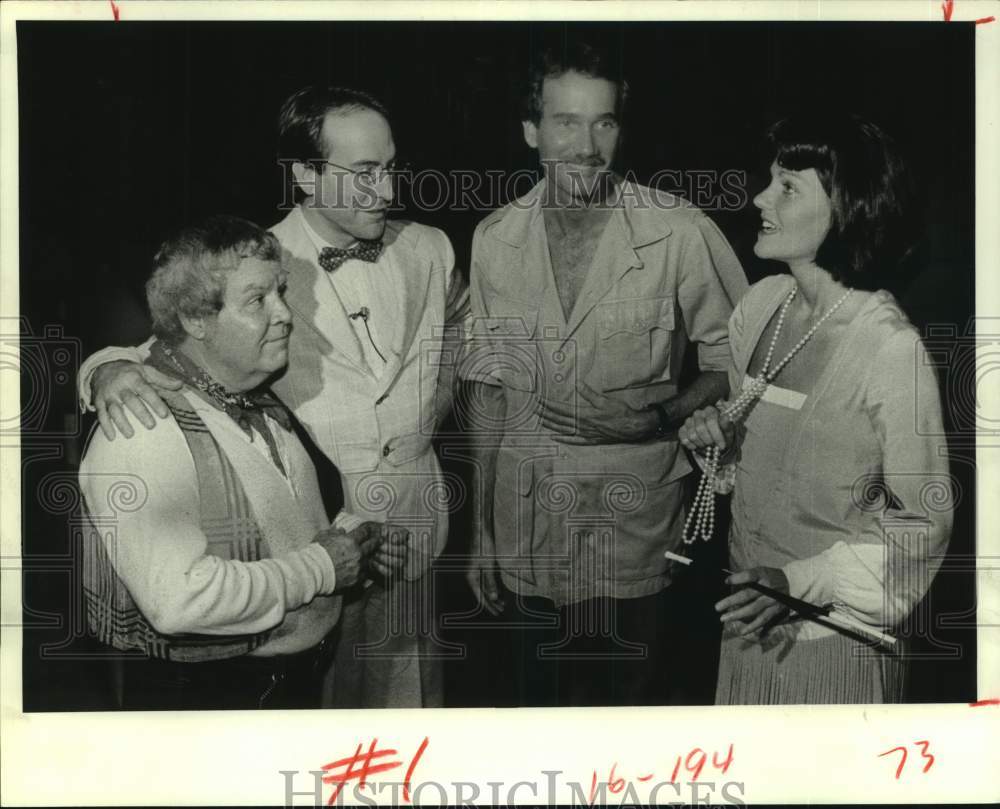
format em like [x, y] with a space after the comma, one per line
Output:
[830, 438]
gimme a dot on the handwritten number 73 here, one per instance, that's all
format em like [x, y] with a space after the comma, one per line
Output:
[902, 760]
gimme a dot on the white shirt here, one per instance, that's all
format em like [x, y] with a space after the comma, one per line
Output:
[374, 285]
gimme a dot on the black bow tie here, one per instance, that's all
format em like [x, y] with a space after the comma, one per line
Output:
[330, 258]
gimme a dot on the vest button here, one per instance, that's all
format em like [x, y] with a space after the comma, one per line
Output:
[386, 451]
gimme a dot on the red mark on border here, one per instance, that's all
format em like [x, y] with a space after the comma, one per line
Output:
[983, 702]
[367, 768]
[723, 765]
[694, 763]
[899, 769]
[948, 7]
[361, 773]
[114, 10]
[616, 785]
[925, 753]
[411, 768]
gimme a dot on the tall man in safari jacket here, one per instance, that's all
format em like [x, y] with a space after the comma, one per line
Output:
[586, 293]
[371, 303]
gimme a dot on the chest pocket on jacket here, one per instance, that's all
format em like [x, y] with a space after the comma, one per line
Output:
[514, 356]
[634, 342]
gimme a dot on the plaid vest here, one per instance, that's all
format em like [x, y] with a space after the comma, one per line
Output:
[231, 531]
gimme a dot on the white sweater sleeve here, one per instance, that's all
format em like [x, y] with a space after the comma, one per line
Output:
[881, 573]
[158, 548]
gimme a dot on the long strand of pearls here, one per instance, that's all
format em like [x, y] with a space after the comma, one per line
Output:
[702, 515]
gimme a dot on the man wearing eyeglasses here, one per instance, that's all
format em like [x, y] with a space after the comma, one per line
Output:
[368, 375]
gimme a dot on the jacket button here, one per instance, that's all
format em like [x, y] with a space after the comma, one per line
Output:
[386, 451]
[381, 398]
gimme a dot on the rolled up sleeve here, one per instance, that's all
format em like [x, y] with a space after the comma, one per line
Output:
[711, 282]
[475, 364]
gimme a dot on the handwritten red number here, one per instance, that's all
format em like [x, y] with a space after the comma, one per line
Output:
[723, 765]
[367, 768]
[930, 759]
[616, 785]
[902, 750]
[924, 751]
[694, 763]
[361, 773]
[411, 768]
[700, 757]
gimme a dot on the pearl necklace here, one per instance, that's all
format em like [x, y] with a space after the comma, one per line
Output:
[702, 516]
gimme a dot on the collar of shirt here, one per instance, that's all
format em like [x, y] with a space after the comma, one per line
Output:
[318, 241]
[358, 289]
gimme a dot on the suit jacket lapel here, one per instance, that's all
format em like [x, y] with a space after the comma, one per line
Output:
[415, 270]
[312, 297]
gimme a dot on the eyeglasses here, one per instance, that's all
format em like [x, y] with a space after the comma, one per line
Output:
[374, 175]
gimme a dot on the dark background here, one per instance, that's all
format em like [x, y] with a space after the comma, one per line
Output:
[128, 130]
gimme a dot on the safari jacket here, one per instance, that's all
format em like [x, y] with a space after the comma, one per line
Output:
[573, 522]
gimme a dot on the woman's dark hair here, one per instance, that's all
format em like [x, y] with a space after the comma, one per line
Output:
[870, 189]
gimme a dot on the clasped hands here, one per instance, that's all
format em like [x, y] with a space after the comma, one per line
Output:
[370, 548]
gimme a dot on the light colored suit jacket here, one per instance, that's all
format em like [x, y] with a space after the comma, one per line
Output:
[377, 429]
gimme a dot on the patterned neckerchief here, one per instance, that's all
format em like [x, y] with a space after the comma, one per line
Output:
[246, 409]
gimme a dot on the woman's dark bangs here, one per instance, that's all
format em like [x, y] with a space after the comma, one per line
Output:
[800, 155]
